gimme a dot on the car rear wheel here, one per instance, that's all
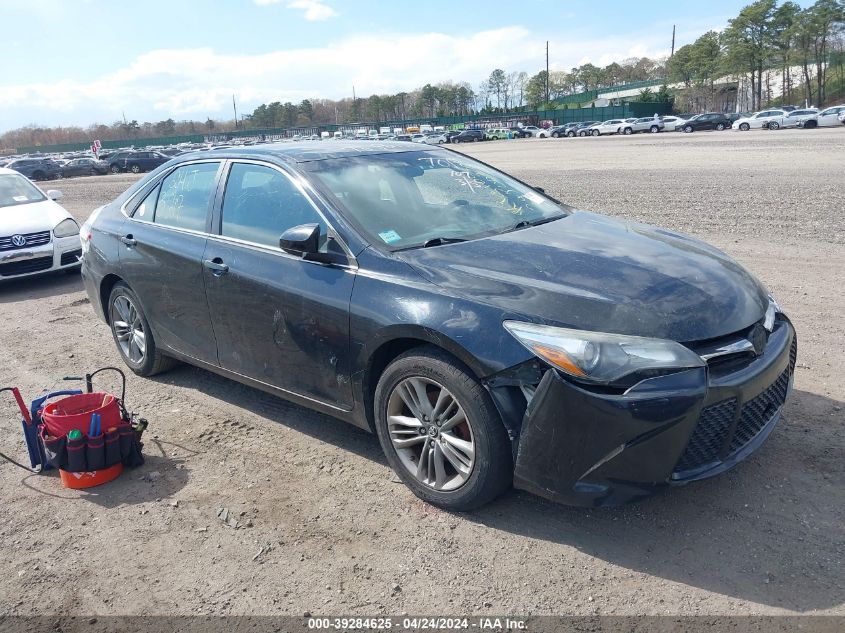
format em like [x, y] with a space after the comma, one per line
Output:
[744, 127]
[132, 334]
[720, 126]
[570, 134]
[441, 432]
[654, 129]
[92, 172]
[135, 169]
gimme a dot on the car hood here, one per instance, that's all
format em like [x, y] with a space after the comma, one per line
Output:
[32, 217]
[589, 272]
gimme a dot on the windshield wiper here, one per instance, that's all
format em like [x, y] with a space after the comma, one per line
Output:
[439, 241]
[526, 223]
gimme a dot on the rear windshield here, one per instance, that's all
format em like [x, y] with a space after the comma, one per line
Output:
[404, 200]
[16, 190]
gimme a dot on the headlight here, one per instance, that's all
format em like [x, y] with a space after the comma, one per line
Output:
[66, 228]
[601, 358]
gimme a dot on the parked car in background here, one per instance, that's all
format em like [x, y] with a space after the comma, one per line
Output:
[37, 168]
[707, 121]
[519, 132]
[611, 126]
[645, 124]
[84, 167]
[36, 234]
[136, 162]
[461, 321]
[671, 123]
[435, 138]
[765, 119]
[536, 132]
[451, 134]
[829, 117]
[842, 117]
[581, 128]
[497, 133]
[797, 117]
[469, 136]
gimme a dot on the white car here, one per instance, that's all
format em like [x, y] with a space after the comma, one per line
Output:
[36, 234]
[536, 132]
[673, 123]
[769, 119]
[829, 117]
[797, 118]
[611, 126]
[435, 138]
[645, 124]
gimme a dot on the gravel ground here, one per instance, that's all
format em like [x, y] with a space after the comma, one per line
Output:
[325, 527]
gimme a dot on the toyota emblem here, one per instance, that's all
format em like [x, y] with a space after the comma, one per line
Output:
[18, 240]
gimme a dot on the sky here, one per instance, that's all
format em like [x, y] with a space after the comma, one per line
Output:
[77, 62]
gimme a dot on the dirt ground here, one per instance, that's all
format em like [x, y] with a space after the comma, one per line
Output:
[324, 526]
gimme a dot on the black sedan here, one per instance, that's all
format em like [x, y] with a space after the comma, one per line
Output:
[707, 121]
[469, 136]
[84, 167]
[488, 334]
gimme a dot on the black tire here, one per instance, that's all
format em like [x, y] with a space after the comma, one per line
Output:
[720, 126]
[744, 127]
[627, 131]
[135, 169]
[153, 361]
[492, 471]
[92, 172]
[570, 134]
[809, 125]
[774, 125]
[38, 175]
[114, 169]
[654, 129]
[555, 135]
[688, 129]
[596, 133]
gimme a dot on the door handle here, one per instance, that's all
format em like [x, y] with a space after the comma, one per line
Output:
[216, 266]
[129, 240]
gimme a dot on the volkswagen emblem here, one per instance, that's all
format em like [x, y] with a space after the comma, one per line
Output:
[18, 240]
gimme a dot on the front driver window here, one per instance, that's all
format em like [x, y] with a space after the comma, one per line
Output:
[185, 195]
[261, 203]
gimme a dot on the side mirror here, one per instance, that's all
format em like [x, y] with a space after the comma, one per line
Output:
[54, 194]
[301, 240]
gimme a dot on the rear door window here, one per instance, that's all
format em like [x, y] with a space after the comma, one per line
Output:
[185, 195]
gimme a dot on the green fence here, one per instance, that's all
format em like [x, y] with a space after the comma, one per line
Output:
[559, 116]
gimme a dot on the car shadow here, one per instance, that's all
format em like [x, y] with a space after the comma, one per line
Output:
[40, 286]
[769, 531]
[275, 409]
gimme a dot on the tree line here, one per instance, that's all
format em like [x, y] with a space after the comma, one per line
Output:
[768, 39]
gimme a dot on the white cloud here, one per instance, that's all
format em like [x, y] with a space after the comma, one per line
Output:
[196, 83]
[312, 10]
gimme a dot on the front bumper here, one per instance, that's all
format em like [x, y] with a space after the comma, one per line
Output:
[58, 254]
[585, 448]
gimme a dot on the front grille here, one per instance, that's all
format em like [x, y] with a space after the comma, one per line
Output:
[718, 436]
[757, 412]
[26, 266]
[71, 257]
[707, 440]
[32, 239]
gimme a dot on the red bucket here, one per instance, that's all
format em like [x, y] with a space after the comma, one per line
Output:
[74, 412]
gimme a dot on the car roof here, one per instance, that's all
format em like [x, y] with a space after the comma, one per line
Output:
[310, 151]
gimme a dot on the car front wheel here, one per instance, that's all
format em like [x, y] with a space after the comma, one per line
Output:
[688, 129]
[114, 169]
[744, 127]
[132, 335]
[596, 133]
[654, 129]
[440, 431]
[774, 125]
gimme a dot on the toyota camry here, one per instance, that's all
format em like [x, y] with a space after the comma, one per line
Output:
[489, 334]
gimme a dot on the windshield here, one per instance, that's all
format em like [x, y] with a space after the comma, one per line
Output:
[15, 190]
[426, 198]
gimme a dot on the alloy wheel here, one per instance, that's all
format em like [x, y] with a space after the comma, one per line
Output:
[431, 433]
[128, 329]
